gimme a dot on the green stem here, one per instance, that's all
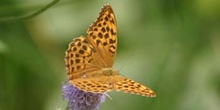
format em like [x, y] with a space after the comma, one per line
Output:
[16, 18]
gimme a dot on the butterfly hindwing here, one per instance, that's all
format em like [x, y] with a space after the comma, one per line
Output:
[129, 86]
[95, 85]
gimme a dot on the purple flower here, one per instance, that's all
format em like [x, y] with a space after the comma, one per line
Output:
[81, 100]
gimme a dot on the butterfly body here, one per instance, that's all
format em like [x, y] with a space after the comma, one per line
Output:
[89, 59]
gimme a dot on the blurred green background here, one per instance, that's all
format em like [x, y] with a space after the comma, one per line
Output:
[172, 46]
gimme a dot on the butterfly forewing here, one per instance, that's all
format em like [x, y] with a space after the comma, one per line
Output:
[103, 35]
[80, 58]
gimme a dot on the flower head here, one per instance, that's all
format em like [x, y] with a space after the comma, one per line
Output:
[81, 100]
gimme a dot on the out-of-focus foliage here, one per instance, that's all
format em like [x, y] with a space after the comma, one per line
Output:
[173, 46]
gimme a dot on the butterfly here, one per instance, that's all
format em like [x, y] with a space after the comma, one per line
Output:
[89, 59]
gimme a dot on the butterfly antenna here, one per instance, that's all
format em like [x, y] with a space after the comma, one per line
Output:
[125, 62]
